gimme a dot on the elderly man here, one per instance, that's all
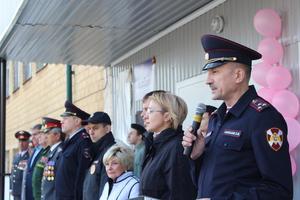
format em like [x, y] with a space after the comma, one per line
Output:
[19, 164]
[52, 127]
[76, 155]
[246, 154]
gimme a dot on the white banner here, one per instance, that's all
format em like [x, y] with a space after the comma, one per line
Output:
[143, 77]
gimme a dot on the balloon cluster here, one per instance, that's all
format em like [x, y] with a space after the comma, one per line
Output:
[275, 78]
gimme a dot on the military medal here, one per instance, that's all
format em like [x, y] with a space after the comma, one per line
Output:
[49, 171]
[92, 169]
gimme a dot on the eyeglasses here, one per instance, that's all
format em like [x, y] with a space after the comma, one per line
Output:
[150, 110]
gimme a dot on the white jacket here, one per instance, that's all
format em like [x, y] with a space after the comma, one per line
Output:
[125, 187]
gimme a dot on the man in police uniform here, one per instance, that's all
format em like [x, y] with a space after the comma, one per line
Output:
[19, 164]
[75, 157]
[246, 153]
[99, 129]
[52, 127]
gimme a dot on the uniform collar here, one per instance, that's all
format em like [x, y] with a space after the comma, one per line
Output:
[241, 104]
[73, 134]
[54, 146]
[106, 140]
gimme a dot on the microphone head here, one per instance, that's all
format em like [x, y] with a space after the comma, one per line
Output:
[201, 108]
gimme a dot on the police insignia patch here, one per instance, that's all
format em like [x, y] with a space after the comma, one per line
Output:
[275, 138]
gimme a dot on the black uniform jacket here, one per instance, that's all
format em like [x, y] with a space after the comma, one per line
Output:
[247, 153]
[96, 176]
[166, 173]
[49, 178]
[16, 177]
[72, 164]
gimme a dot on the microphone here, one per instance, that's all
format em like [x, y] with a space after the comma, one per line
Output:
[200, 110]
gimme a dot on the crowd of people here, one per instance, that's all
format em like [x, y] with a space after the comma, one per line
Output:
[240, 150]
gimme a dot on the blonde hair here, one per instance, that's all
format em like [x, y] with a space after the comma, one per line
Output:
[174, 105]
[122, 153]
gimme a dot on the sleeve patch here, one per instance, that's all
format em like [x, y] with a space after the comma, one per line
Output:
[259, 104]
[274, 138]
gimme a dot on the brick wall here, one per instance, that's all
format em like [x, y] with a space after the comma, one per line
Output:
[44, 94]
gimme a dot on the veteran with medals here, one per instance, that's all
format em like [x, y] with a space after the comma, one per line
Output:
[99, 129]
[19, 164]
[52, 128]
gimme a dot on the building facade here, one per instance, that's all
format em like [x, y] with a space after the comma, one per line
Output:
[37, 90]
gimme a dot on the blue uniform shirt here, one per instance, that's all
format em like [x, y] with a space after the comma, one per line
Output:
[246, 153]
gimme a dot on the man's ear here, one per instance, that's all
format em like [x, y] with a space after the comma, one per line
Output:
[240, 75]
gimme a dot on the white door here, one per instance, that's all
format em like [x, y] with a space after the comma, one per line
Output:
[195, 91]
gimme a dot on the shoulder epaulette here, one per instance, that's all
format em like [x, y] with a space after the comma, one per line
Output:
[85, 135]
[259, 104]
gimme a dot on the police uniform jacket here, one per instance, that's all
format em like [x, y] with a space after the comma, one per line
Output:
[72, 164]
[49, 177]
[16, 177]
[37, 174]
[125, 187]
[96, 176]
[166, 173]
[246, 154]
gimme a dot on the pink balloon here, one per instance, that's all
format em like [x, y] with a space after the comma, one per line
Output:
[266, 93]
[267, 22]
[293, 132]
[278, 78]
[271, 50]
[286, 103]
[294, 165]
[259, 72]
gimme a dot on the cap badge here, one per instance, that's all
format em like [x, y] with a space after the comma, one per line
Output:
[275, 138]
[206, 56]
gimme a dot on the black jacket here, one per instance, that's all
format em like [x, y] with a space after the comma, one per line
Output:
[166, 173]
[72, 164]
[246, 154]
[96, 176]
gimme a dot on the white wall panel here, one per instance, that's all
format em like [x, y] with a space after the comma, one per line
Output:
[179, 54]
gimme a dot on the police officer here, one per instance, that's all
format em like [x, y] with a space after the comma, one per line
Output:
[246, 153]
[52, 128]
[75, 157]
[19, 164]
[99, 129]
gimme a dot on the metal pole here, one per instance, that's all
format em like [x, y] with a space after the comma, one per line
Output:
[2, 124]
[69, 82]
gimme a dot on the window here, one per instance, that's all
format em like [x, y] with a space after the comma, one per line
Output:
[27, 73]
[40, 66]
[16, 76]
[7, 81]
